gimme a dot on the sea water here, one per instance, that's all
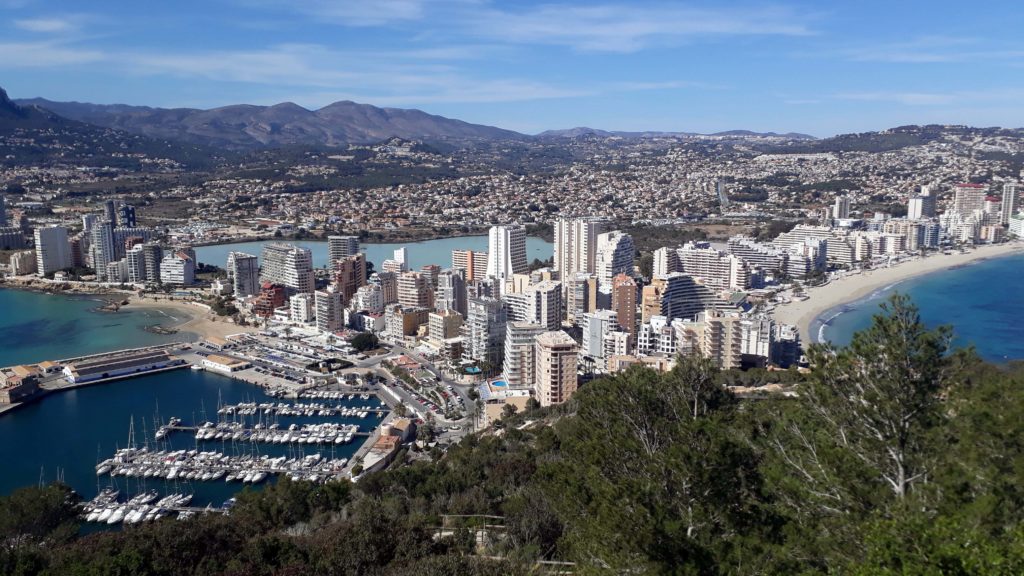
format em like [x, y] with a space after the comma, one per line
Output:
[982, 301]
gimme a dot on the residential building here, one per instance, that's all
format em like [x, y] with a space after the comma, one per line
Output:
[473, 264]
[968, 197]
[244, 272]
[414, 290]
[519, 369]
[666, 261]
[581, 296]
[329, 315]
[101, 248]
[302, 308]
[841, 208]
[555, 378]
[597, 325]
[451, 291]
[538, 304]
[53, 253]
[339, 247]
[349, 275]
[486, 321]
[624, 301]
[575, 248]
[11, 238]
[506, 251]
[444, 325]
[178, 269]
[388, 283]
[289, 266]
[615, 255]
[369, 299]
[1010, 202]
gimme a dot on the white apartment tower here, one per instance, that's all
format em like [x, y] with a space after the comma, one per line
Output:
[841, 208]
[339, 247]
[1011, 200]
[506, 252]
[615, 255]
[244, 271]
[101, 246]
[519, 367]
[288, 266]
[53, 252]
[329, 311]
[575, 247]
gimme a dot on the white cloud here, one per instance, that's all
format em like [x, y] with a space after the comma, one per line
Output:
[933, 50]
[349, 12]
[629, 28]
[45, 54]
[46, 25]
[932, 99]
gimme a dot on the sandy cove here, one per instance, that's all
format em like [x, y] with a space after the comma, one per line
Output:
[850, 288]
[194, 319]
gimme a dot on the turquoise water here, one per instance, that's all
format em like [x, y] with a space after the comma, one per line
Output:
[420, 253]
[983, 302]
[36, 327]
[66, 433]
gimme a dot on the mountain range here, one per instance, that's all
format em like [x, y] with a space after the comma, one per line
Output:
[246, 127]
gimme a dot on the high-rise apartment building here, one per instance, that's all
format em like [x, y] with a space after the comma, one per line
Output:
[520, 344]
[178, 269]
[575, 248]
[716, 269]
[555, 377]
[349, 275]
[388, 283]
[53, 252]
[597, 325]
[289, 266]
[666, 261]
[339, 247]
[126, 216]
[368, 299]
[414, 290]
[451, 292]
[329, 311]
[110, 211]
[506, 251]
[841, 207]
[678, 295]
[538, 304]
[624, 294]
[473, 264]
[968, 197]
[244, 271]
[921, 205]
[1010, 203]
[101, 247]
[615, 254]
[580, 296]
[486, 321]
[3, 211]
[302, 308]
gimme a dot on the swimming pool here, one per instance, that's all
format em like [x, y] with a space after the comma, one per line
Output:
[499, 383]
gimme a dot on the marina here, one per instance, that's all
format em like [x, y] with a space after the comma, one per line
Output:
[90, 428]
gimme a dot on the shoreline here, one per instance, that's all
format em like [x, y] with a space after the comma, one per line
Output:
[198, 320]
[852, 288]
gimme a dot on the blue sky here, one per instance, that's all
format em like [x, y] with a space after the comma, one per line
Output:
[815, 67]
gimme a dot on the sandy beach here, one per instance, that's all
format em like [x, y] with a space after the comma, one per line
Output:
[847, 289]
[186, 317]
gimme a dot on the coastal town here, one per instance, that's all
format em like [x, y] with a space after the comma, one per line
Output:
[355, 360]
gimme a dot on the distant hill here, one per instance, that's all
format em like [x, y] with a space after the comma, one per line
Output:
[584, 131]
[244, 126]
[40, 136]
[892, 139]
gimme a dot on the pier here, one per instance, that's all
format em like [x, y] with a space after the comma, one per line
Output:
[215, 466]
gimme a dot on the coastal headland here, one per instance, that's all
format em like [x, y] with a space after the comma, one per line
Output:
[852, 287]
